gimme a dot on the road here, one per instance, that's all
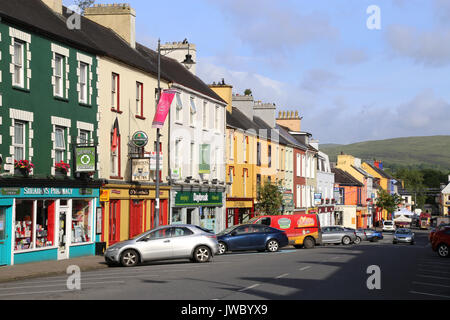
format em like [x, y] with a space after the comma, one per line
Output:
[327, 272]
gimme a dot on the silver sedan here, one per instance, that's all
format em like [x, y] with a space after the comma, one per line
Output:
[165, 243]
[338, 235]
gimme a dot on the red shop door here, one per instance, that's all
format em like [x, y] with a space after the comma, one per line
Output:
[136, 207]
[114, 222]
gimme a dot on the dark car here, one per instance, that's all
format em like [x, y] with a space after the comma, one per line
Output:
[251, 237]
[441, 242]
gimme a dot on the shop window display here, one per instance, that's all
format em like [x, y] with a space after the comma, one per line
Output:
[45, 223]
[24, 225]
[176, 216]
[208, 218]
[81, 221]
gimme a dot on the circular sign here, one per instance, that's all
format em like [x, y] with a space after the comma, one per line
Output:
[140, 139]
[85, 159]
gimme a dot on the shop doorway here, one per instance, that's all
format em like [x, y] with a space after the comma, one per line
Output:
[136, 212]
[114, 222]
[189, 216]
[63, 238]
[3, 237]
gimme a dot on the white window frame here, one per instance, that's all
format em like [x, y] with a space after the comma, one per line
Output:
[192, 112]
[59, 79]
[22, 144]
[216, 118]
[60, 149]
[244, 156]
[192, 159]
[179, 108]
[83, 95]
[19, 65]
[177, 160]
[114, 90]
[205, 115]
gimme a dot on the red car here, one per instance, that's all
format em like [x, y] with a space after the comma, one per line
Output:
[436, 229]
[441, 242]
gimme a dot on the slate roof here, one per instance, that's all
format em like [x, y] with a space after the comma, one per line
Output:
[343, 178]
[380, 171]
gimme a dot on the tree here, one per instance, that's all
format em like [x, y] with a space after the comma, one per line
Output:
[248, 92]
[388, 202]
[83, 4]
[270, 199]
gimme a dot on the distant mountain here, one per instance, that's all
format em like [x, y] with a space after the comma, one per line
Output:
[423, 152]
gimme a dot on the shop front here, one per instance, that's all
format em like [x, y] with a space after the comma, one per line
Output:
[129, 209]
[47, 223]
[326, 215]
[239, 210]
[202, 208]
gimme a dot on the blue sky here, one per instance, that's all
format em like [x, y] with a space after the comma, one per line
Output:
[349, 83]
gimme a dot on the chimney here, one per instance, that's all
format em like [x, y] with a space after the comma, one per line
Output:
[179, 51]
[244, 104]
[225, 91]
[266, 111]
[290, 120]
[119, 17]
[55, 5]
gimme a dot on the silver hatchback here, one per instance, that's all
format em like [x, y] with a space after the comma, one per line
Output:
[338, 235]
[165, 243]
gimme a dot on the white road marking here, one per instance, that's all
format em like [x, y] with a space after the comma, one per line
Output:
[431, 284]
[250, 287]
[304, 268]
[430, 294]
[282, 276]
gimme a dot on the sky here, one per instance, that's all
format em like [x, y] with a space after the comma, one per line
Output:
[349, 82]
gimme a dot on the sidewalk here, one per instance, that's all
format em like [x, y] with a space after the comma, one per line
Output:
[49, 268]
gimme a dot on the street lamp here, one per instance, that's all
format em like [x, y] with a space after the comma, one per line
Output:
[188, 62]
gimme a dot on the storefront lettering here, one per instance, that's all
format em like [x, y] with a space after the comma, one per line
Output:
[200, 197]
[47, 191]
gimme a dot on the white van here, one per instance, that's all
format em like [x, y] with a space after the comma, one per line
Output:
[388, 225]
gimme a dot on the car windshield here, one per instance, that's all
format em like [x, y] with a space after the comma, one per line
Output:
[403, 231]
[388, 223]
[227, 230]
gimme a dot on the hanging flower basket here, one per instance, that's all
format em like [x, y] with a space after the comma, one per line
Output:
[23, 167]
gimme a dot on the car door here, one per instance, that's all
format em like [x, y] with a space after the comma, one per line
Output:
[336, 234]
[183, 242]
[257, 236]
[239, 238]
[326, 235]
[157, 245]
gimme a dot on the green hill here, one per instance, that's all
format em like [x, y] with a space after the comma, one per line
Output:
[422, 152]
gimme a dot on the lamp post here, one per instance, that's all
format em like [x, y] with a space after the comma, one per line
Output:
[188, 62]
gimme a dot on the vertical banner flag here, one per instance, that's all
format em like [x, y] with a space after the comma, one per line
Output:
[115, 136]
[163, 108]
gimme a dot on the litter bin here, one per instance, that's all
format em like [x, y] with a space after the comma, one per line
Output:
[100, 248]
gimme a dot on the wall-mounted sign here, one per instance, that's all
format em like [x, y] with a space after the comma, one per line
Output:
[140, 169]
[139, 192]
[10, 191]
[139, 139]
[85, 159]
[198, 199]
[104, 195]
[204, 162]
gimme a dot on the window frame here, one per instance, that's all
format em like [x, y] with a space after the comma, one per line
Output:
[59, 79]
[192, 112]
[24, 140]
[140, 100]
[84, 87]
[59, 149]
[115, 92]
[21, 66]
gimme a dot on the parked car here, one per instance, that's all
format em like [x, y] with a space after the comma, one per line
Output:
[251, 237]
[441, 242]
[165, 243]
[373, 235]
[303, 230]
[360, 235]
[435, 229]
[388, 226]
[338, 235]
[403, 235]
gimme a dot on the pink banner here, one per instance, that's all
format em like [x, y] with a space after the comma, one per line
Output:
[163, 108]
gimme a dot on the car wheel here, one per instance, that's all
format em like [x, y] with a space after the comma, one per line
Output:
[308, 243]
[222, 248]
[346, 240]
[202, 254]
[129, 258]
[442, 250]
[358, 240]
[272, 245]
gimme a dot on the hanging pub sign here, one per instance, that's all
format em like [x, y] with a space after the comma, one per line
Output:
[85, 159]
[140, 169]
[139, 139]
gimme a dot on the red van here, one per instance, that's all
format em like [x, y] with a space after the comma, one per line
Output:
[303, 230]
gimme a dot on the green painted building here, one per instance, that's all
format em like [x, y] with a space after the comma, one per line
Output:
[48, 109]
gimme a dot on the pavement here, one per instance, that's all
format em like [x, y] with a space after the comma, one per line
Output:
[49, 268]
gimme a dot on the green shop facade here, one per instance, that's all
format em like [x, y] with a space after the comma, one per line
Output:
[48, 125]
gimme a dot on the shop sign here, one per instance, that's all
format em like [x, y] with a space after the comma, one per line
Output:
[139, 192]
[84, 191]
[139, 139]
[47, 191]
[10, 191]
[198, 199]
[140, 169]
[288, 201]
[85, 159]
[317, 198]
[239, 204]
[104, 195]
[153, 161]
